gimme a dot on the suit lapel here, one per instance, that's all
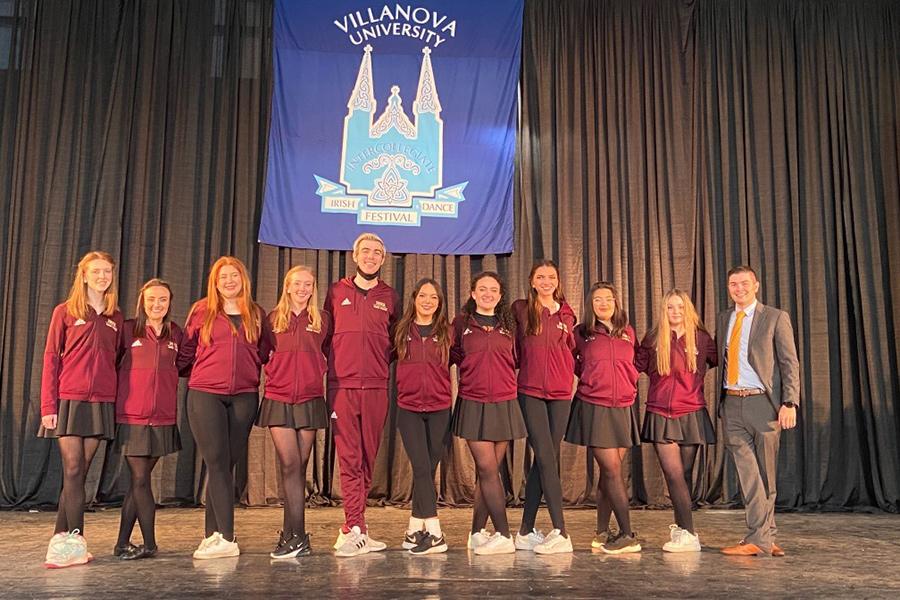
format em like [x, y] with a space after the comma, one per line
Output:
[757, 324]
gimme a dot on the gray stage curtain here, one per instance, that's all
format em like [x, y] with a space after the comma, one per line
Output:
[660, 143]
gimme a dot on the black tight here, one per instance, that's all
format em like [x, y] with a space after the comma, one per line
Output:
[546, 422]
[611, 494]
[490, 499]
[76, 453]
[139, 503]
[677, 464]
[221, 426]
[293, 447]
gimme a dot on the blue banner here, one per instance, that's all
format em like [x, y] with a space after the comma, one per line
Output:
[396, 118]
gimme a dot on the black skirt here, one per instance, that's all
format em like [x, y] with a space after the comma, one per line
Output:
[83, 419]
[599, 426]
[147, 440]
[305, 415]
[690, 429]
[488, 421]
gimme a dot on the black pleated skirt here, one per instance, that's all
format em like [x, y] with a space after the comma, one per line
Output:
[488, 421]
[147, 440]
[599, 426]
[311, 414]
[692, 428]
[84, 419]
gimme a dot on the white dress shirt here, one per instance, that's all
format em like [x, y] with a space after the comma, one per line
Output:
[747, 377]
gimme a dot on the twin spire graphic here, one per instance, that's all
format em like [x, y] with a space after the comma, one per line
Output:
[363, 98]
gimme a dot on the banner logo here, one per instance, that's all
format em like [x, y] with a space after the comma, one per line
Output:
[391, 170]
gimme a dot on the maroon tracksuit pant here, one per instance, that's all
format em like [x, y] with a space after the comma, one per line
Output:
[357, 422]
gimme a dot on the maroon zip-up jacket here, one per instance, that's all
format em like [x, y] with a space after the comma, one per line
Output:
[148, 377]
[680, 392]
[423, 377]
[229, 364]
[359, 350]
[80, 359]
[296, 371]
[486, 359]
[546, 362]
[605, 366]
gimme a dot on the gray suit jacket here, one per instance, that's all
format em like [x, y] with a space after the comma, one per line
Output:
[771, 353]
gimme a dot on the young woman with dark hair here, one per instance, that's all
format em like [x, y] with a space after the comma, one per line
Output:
[78, 393]
[676, 354]
[602, 416]
[226, 340]
[293, 405]
[146, 407]
[487, 414]
[544, 327]
[422, 344]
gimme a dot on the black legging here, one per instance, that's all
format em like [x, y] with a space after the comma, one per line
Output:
[490, 499]
[424, 436]
[293, 447]
[677, 464]
[76, 453]
[611, 494]
[221, 426]
[546, 422]
[139, 503]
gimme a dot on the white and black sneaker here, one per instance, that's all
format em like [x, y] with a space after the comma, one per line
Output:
[413, 539]
[430, 545]
[292, 547]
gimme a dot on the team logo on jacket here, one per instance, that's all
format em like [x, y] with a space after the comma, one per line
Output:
[467, 331]
[391, 170]
[111, 324]
[346, 302]
[334, 415]
[172, 346]
[136, 344]
[562, 326]
[380, 305]
[79, 322]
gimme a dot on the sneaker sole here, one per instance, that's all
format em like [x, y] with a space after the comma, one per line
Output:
[433, 550]
[75, 563]
[626, 550]
[380, 547]
[215, 556]
[359, 552]
[292, 554]
[678, 549]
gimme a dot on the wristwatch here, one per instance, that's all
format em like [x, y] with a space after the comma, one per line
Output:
[789, 404]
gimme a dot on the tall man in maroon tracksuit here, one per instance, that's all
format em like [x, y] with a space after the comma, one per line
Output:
[365, 310]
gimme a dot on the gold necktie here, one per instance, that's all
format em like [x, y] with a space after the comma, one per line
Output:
[734, 349]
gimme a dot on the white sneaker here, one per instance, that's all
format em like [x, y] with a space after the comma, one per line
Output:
[528, 542]
[498, 544]
[681, 540]
[67, 549]
[355, 544]
[374, 545]
[478, 539]
[554, 543]
[216, 546]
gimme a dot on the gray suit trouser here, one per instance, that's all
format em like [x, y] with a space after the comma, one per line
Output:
[752, 435]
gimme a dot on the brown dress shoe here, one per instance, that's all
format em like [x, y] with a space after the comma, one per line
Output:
[742, 549]
[776, 550]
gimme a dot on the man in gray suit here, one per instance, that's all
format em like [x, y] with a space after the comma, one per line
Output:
[759, 396]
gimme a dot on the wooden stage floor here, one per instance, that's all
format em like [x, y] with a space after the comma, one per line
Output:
[828, 556]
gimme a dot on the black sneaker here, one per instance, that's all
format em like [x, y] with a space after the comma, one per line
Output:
[413, 539]
[430, 545]
[139, 552]
[622, 544]
[120, 551]
[292, 547]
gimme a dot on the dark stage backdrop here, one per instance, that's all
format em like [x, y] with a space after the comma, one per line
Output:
[660, 143]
